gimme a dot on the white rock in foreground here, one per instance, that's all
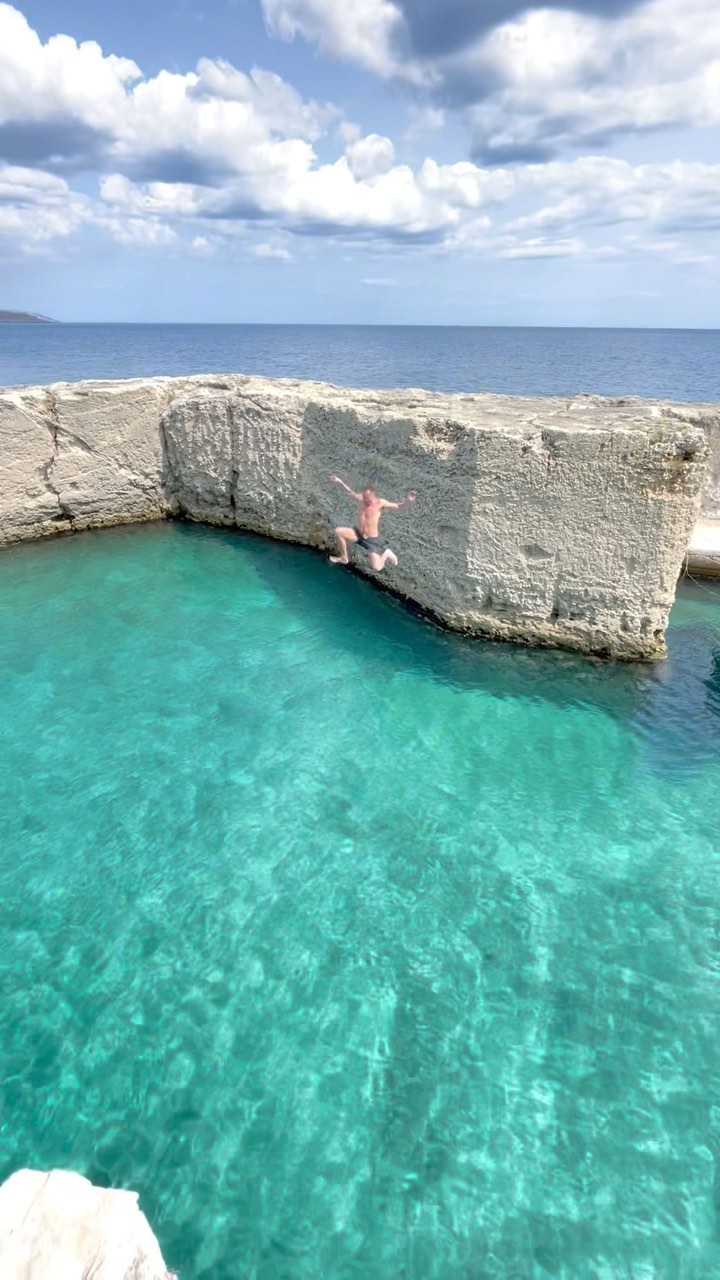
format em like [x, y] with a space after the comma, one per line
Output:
[550, 521]
[58, 1226]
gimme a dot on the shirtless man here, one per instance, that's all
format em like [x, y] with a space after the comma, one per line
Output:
[367, 531]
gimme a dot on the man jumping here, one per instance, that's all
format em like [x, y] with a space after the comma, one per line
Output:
[367, 531]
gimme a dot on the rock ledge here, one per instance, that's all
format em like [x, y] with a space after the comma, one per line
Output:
[549, 521]
[58, 1226]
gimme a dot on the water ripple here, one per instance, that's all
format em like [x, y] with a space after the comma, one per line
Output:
[358, 949]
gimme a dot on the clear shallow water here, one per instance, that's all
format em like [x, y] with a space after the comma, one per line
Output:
[358, 949]
[679, 364]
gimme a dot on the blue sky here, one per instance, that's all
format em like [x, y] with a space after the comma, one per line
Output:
[391, 161]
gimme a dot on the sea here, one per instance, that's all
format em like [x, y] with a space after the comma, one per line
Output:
[356, 948]
[677, 364]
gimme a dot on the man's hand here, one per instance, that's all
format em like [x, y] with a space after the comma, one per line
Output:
[346, 487]
[410, 496]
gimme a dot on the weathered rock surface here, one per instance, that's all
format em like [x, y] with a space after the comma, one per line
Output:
[80, 456]
[711, 504]
[707, 417]
[556, 522]
[703, 556]
[58, 1226]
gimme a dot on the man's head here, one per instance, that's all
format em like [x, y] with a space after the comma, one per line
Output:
[368, 494]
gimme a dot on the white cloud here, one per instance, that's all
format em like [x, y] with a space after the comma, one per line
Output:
[60, 77]
[64, 104]
[212, 143]
[370, 157]
[277, 103]
[565, 79]
[30, 186]
[268, 249]
[142, 233]
[291, 188]
[539, 247]
[348, 131]
[358, 30]
[602, 191]
[187, 162]
[466, 185]
[537, 210]
[548, 79]
[151, 199]
[37, 208]
[59, 96]
[423, 121]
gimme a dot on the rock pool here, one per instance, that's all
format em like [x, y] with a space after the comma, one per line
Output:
[359, 950]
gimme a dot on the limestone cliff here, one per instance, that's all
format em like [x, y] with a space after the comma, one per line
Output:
[556, 522]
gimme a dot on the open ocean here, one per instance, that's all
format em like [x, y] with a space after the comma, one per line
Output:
[678, 364]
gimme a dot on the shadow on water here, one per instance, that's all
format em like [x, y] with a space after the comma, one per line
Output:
[672, 706]
[679, 721]
[373, 626]
[713, 684]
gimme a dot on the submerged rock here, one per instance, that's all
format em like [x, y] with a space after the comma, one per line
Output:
[550, 521]
[58, 1226]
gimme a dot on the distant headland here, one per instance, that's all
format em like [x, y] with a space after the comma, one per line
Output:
[24, 317]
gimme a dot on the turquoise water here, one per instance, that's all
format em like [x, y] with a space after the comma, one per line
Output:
[358, 949]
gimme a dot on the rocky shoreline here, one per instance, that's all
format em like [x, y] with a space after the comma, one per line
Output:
[541, 520]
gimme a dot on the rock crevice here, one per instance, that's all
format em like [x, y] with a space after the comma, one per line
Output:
[51, 419]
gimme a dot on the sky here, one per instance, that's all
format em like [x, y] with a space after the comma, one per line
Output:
[362, 161]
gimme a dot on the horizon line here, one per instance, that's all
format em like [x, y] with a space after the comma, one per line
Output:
[356, 324]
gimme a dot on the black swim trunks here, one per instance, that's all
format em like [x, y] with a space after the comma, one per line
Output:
[368, 544]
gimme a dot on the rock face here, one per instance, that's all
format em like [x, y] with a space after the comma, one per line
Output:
[703, 556]
[58, 1226]
[549, 521]
[711, 504]
[80, 457]
[707, 417]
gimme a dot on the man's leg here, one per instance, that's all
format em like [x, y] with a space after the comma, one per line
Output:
[378, 562]
[343, 535]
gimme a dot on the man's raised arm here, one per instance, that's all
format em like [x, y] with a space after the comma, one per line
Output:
[410, 496]
[343, 485]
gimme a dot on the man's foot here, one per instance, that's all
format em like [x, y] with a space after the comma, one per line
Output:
[338, 560]
[391, 558]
